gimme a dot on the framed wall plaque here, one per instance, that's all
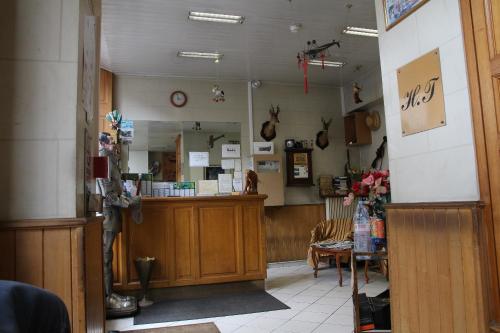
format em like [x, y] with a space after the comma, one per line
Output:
[397, 10]
[421, 100]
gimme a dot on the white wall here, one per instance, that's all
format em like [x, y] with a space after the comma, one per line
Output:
[39, 62]
[138, 161]
[141, 98]
[300, 119]
[436, 165]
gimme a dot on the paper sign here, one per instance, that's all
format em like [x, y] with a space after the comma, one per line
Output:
[208, 187]
[227, 164]
[230, 151]
[198, 159]
[225, 183]
[127, 131]
[237, 165]
[238, 185]
[300, 171]
[263, 148]
[238, 174]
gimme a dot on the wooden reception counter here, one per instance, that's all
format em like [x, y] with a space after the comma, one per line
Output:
[195, 240]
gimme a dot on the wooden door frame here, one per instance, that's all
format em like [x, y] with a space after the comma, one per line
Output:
[480, 62]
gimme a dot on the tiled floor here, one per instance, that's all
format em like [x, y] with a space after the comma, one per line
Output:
[316, 305]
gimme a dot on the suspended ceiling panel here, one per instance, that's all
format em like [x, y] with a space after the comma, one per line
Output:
[142, 37]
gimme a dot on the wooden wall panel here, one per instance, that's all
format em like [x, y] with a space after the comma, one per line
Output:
[148, 240]
[57, 264]
[218, 236]
[7, 255]
[29, 257]
[288, 230]
[251, 240]
[62, 256]
[435, 268]
[183, 234]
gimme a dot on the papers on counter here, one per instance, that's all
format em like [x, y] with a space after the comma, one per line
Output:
[225, 183]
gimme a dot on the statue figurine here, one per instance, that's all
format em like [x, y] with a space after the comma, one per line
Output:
[251, 182]
[113, 202]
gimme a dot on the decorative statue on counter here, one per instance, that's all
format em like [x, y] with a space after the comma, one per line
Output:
[251, 182]
[322, 136]
[113, 201]
[268, 131]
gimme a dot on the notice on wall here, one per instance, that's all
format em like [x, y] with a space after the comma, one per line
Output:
[238, 184]
[421, 100]
[225, 183]
[127, 131]
[208, 187]
[198, 159]
[227, 164]
[230, 151]
[263, 148]
[237, 164]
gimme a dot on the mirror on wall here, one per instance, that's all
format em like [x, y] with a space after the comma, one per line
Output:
[162, 148]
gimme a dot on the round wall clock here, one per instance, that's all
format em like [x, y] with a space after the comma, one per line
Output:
[178, 99]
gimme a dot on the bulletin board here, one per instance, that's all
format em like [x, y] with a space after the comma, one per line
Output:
[269, 169]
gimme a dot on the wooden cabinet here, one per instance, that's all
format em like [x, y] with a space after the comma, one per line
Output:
[356, 131]
[299, 167]
[195, 240]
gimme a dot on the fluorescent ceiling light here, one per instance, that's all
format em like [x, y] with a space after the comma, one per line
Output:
[212, 17]
[327, 63]
[360, 31]
[203, 55]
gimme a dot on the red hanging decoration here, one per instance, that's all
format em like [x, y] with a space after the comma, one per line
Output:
[306, 84]
[313, 52]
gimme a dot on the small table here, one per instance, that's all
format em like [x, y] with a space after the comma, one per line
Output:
[337, 253]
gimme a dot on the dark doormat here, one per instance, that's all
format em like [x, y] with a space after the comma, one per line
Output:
[208, 307]
[195, 328]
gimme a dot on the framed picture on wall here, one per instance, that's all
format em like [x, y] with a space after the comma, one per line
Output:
[397, 10]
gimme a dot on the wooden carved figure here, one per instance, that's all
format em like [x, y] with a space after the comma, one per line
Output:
[322, 136]
[355, 93]
[251, 182]
[268, 131]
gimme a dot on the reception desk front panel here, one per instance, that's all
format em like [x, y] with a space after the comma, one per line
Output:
[195, 240]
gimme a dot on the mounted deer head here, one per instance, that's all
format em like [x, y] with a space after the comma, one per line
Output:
[322, 136]
[268, 131]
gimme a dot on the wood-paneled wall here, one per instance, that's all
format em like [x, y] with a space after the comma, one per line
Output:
[436, 268]
[288, 230]
[63, 256]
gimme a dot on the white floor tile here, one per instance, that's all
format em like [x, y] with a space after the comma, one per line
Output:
[297, 326]
[265, 324]
[332, 328]
[313, 317]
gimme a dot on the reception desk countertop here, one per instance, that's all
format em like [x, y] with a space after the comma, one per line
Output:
[195, 240]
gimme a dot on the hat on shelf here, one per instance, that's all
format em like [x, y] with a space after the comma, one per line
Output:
[373, 120]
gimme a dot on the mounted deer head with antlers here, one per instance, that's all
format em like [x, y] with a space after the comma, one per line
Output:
[268, 131]
[322, 136]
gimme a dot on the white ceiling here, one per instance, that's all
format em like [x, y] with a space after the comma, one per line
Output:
[142, 37]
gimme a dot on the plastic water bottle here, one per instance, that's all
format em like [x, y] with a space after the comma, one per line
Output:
[362, 230]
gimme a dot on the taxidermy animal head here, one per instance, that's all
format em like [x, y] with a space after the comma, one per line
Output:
[355, 93]
[268, 131]
[322, 136]
[212, 139]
